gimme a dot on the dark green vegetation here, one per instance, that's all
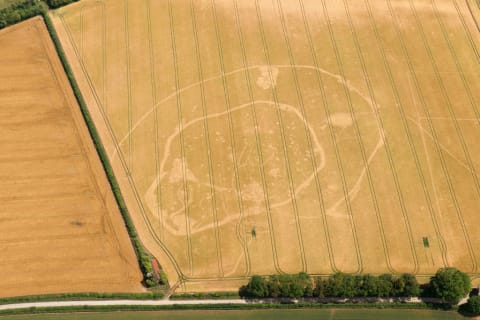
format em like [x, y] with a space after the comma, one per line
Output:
[340, 285]
[15, 11]
[450, 285]
[204, 295]
[19, 11]
[335, 314]
[82, 296]
[143, 257]
[53, 4]
[472, 307]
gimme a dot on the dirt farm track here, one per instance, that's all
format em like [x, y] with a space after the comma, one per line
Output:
[269, 136]
[60, 228]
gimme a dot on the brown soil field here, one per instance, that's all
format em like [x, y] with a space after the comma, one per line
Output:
[60, 227]
[259, 137]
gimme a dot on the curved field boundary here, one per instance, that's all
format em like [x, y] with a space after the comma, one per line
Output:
[241, 224]
[335, 145]
[304, 115]
[358, 137]
[101, 150]
[389, 157]
[257, 137]
[407, 131]
[155, 116]
[182, 143]
[318, 77]
[284, 144]
[207, 139]
[452, 113]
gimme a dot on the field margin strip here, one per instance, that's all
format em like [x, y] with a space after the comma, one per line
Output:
[142, 256]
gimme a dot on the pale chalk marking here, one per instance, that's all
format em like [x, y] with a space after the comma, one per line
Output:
[268, 77]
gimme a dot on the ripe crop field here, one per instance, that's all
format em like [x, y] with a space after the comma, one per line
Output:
[60, 228]
[256, 137]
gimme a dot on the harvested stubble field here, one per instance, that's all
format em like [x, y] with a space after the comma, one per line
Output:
[255, 136]
[60, 227]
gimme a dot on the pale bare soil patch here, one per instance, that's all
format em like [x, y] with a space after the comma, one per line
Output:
[60, 228]
[255, 137]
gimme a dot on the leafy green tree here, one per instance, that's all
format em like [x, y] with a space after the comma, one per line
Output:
[308, 292]
[340, 285]
[319, 290]
[472, 306]
[370, 285]
[273, 287]
[255, 288]
[450, 285]
[412, 288]
[385, 285]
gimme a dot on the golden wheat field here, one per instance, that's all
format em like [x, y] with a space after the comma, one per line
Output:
[270, 136]
[61, 230]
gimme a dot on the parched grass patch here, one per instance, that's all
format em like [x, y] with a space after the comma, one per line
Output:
[254, 137]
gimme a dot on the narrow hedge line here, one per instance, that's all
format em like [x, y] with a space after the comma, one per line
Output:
[53, 4]
[142, 256]
[204, 295]
[82, 296]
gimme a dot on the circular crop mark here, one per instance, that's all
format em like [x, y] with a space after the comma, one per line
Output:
[284, 145]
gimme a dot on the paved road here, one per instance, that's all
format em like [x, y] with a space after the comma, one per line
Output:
[115, 303]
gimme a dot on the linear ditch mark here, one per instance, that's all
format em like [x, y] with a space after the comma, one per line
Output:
[466, 29]
[425, 109]
[452, 114]
[407, 130]
[304, 115]
[470, 10]
[207, 139]
[389, 157]
[123, 163]
[258, 140]
[350, 106]
[81, 44]
[282, 134]
[334, 144]
[153, 75]
[129, 85]
[104, 37]
[226, 93]
[104, 57]
[466, 85]
[100, 5]
[422, 100]
[182, 142]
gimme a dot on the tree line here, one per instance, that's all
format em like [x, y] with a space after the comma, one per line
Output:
[25, 9]
[448, 284]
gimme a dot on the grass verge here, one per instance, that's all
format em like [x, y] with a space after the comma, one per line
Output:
[34, 310]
